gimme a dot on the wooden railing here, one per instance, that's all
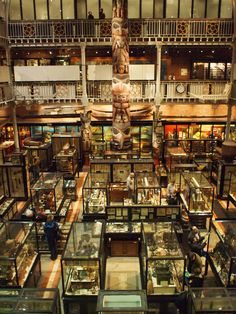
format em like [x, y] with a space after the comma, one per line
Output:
[160, 29]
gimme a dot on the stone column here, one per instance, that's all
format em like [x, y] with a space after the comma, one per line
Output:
[15, 128]
[84, 81]
[121, 138]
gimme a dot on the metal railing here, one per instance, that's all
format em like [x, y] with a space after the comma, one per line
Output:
[166, 29]
[101, 91]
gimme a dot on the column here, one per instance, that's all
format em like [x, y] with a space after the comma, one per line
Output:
[121, 135]
[15, 129]
[158, 76]
[84, 81]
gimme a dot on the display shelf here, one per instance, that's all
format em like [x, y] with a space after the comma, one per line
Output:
[222, 251]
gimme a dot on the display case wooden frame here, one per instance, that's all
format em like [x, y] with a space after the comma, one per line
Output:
[231, 200]
[222, 251]
[163, 262]
[35, 301]
[19, 258]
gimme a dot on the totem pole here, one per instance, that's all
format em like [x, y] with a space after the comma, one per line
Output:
[121, 137]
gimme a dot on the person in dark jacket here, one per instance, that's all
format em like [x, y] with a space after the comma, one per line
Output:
[51, 230]
[194, 267]
[196, 241]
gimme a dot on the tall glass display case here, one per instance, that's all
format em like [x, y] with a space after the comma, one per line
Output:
[43, 151]
[47, 193]
[197, 195]
[212, 300]
[82, 264]
[163, 262]
[231, 201]
[67, 161]
[148, 189]
[222, 251]
[95, 194]
[19, 259]
[70, 187]
[34, 301]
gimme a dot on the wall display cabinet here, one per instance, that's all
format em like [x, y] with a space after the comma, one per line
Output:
[6, 148]
[95, 193]
[35, 301]
[82, 264]
[122, 302]
[120, 169]
[222, 251]
[142, 213]
[8, 208]
[70, 187]
[67, 141]
[148, 189]
[19, 259]
[220, 175]
[163, 262]
[231, 201]
[212, 300]
[43, 152]
[47, 193]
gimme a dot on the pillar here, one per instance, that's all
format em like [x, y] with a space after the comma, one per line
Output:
[15, 128]
[84, 80]
[121, 134]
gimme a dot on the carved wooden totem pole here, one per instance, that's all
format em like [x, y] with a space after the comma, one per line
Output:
[121, 137]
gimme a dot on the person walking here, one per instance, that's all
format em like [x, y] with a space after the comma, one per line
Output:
[51, 230]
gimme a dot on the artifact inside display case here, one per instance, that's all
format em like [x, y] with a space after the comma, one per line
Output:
[163, 260]
[67, 160]
[70, 187]
[18, 253]
[30, 301]
[212, 300]
[82, 259]
[8, 208]
[148, 189]
[117, 227]
[197, 193]
[95, 192]
[222, 251]
[47, 193]
[231, 202]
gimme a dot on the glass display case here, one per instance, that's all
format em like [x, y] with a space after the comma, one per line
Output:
[47, 193]
[163, 262]
[222, 251]
[118, 192]
[82, 261]
[43, 151]
[147, 187]
[67, 141]
[122, 302]
[45, 301]
[204, 165]
[197, 195]
[6, 148]
[212, 300]
[220, 174]
[19, 259]
[70, 187]
[95, 193]
[8, 208]
[231, 201]
[67, 161]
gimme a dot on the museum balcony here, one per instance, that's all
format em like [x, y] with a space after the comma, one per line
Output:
[71, 32]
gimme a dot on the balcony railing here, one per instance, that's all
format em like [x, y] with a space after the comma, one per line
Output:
[101, 91]
[158, 29]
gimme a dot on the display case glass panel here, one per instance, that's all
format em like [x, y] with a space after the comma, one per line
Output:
[231, 202]
[8, 208]
[70, 187]
[164, 261]
[95, 194]
[67, 161]
[212, 300]
[148, 189]
[47, 193]
[65, 142]
[82, 261]
[36, 131]
[194, 131]
[18, 252]
[222, 251]
[121, 172]
[197, 193]
[97, 133]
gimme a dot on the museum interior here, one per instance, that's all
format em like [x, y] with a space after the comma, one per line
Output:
[117, 156]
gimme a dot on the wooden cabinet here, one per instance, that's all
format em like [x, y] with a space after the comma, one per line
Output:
[124, 248]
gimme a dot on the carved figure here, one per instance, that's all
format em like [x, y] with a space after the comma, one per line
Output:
[86, 131]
